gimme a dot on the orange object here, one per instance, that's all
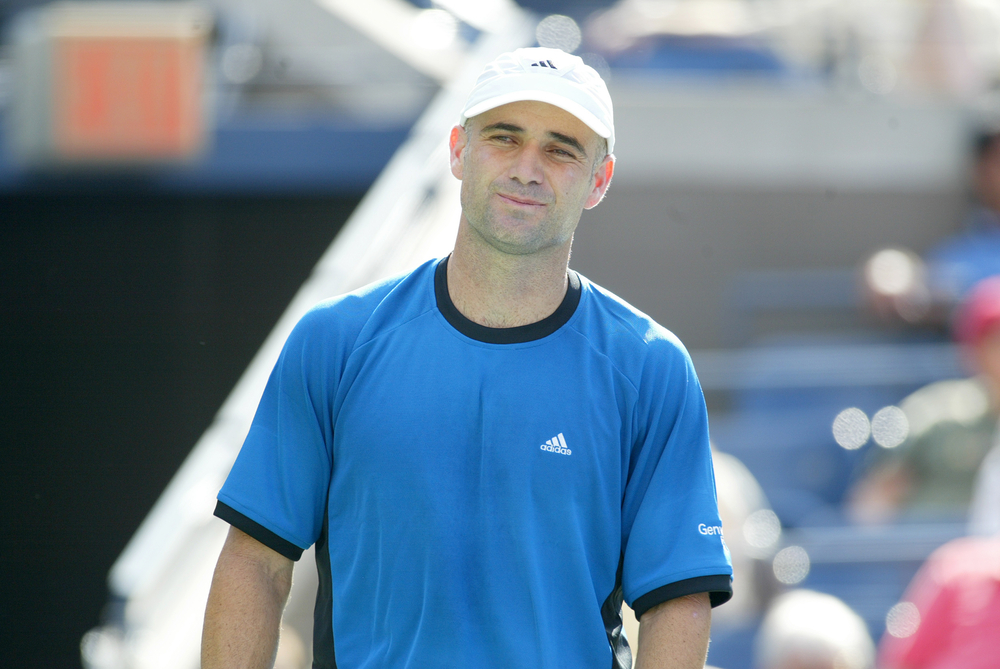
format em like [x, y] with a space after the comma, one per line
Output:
[127, 87]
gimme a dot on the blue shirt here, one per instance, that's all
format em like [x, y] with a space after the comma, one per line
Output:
[960, 262]
[482, 497]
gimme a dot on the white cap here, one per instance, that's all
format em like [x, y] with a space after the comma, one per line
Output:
[545, 75]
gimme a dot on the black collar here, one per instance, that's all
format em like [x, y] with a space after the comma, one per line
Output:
[515, 335]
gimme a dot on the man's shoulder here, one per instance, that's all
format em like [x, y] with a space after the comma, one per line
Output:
[981, 234]
[631, 338]
[961, 402]
[615, 315]
[960, 561]
[393, 297]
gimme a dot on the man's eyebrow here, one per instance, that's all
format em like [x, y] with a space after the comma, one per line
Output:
[509, 127]
[572, 141]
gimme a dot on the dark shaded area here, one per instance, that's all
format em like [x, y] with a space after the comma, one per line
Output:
[124, 323]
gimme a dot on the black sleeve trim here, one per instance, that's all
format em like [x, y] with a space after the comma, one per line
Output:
[258, 531]
[718, 586]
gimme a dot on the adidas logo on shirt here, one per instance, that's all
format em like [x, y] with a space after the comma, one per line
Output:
[557, 444]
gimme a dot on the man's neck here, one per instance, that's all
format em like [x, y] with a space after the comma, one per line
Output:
[501, 290]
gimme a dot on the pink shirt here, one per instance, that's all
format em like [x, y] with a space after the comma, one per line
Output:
[957, 593]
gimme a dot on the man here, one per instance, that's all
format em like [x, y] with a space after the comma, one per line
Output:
[805, 629]
[902, 285]
[950, 611]
[952, 427]
[491, 451]
[961, 261]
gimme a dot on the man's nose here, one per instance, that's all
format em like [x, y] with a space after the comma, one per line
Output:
[527, 165]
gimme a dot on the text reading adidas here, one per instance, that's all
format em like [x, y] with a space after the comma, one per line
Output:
[557, 444]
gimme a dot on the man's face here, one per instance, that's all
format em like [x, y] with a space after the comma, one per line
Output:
[528, 172]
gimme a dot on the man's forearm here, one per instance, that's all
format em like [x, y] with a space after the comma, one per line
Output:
[674, 634]
[243, 616]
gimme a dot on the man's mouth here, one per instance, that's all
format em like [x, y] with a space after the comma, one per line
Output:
[521, 200]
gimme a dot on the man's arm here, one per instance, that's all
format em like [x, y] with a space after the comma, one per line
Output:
[674, 634]
[248, 594]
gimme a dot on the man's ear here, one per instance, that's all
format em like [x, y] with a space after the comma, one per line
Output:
[602, 179]
[456, 145]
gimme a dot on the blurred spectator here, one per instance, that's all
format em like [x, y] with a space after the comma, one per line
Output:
[958, 263]
[805, 629]
[955, 52]
[693, 36]
[752, 531]
[901, 285]
[952, 427]
[951, 611]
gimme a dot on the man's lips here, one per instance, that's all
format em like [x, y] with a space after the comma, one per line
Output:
[521, 200]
